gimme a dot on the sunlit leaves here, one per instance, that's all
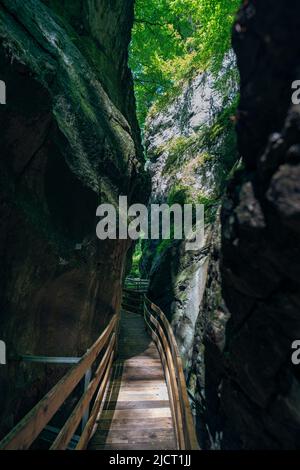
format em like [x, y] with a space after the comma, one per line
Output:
[175, 39]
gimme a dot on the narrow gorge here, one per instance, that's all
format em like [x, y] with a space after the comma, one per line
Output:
[180, 102]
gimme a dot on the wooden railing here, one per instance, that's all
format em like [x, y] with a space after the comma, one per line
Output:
[29, 428]
[162, 333]
[137, 284]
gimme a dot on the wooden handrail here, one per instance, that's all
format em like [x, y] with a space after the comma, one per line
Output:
[28, 429]
[68, 430]
[85, 436]
[162, 344]
[136, 284]
[162, 333]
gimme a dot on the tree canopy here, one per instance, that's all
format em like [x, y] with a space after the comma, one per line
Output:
[175, 39]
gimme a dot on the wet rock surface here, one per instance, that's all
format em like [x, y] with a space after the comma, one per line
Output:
[244, 388]
[260, 390]
[69, 140]
[181, 172]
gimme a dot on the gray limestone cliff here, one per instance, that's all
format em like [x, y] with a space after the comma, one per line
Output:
[187, 164]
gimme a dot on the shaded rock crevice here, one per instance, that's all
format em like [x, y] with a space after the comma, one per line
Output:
[260, 244]
[69, 140]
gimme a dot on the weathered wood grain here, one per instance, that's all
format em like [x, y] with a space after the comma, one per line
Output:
[137, 412]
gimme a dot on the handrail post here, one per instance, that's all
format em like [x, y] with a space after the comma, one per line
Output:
[161, 328]
[87, 379]
[28, 429]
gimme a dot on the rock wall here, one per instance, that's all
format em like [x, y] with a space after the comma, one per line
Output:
[184, 169]
[176, 156]
[69, 139]
[206, 365]
[238, 365]
[260, 390]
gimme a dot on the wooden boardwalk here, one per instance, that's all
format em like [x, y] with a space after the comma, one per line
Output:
[134, 396]
[137, 412]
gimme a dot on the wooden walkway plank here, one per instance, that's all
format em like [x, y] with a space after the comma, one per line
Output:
[137, 412]
[127, 424]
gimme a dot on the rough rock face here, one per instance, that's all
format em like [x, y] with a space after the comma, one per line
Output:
[181, 171]
[170, 138]
[205, 370]
[260, 390]
[69, 139]
[177, 283]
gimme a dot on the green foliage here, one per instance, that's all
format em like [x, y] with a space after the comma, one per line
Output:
[135, 268]
[215, 142]
[178, 195]
[176, 151]
[164, 245]
[220, 139]
[211, 205]
[175, 39]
